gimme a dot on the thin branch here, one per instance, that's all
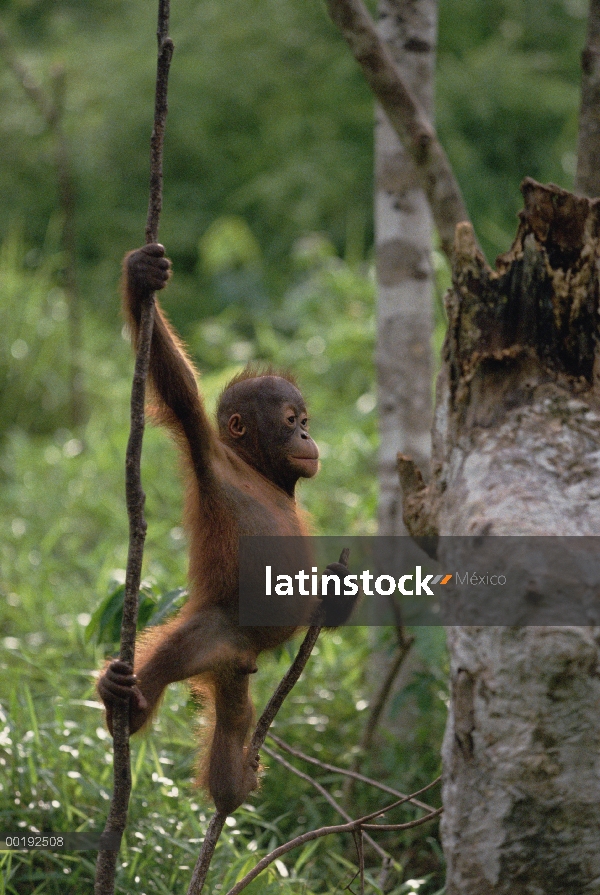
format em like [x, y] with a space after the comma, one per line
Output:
[311, 836]
[327, 831]
[404, 644]
[433, 814]
[117, 817]
[266, 719]
[165, 54]
[326, 795]
[405, 115]
[31, 87]
[285, 686]
[361, 777]
[383, 694]
[67, 199]
[358, 838]
[288, 681]
[213, 832]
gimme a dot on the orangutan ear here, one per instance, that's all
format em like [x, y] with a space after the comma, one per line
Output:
[235, 427]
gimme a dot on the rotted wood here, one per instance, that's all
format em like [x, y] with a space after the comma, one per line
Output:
[518, 389]
[538, 306]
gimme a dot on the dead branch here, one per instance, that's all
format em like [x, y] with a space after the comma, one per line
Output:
[326, 795]
[360, 777]
[266, 719]
[353, 826]
[258, 738]
[117, 817]
[406, 117]
[403, 646]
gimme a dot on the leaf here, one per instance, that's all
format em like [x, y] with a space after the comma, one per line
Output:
[104, 616]
[167, 604]
[105, 623]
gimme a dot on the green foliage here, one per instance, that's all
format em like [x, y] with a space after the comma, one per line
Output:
[507, 102]
[57, 776]
[34, 366]
[270, 124]
[256, 130]
[63, 542]
[105, 623]
[228, 243]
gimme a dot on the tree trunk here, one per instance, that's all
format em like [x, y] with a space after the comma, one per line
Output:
[404, 269]
[517, 452]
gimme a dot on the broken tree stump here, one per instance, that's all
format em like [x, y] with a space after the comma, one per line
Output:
[516, 451]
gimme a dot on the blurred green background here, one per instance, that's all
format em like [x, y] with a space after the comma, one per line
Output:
[268, 220]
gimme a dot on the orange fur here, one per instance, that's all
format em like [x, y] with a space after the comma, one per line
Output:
[240, 481]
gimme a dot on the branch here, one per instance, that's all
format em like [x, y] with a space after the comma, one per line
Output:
[326, 795]
[415, 823]
[165, 54]
[354, 774]
[117, 817]
[405, 115]
[208, 848]
[285, 686]
[353, 826]
[31, 87]
[258, 738]
[266, 719]
[404, 643]
[382, 696]
[290, 679]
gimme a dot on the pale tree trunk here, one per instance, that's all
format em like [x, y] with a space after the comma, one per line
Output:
[588, 149]
[404, 269]
[517, 452]
[403, 243]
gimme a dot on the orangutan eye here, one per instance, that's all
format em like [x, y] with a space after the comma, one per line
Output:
[291, 419]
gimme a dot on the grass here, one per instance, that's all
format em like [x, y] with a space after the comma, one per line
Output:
[63, 544]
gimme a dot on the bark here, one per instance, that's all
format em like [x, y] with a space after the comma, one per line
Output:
[588, 149]
[404, 269]
[517, 451]
[104, 883]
